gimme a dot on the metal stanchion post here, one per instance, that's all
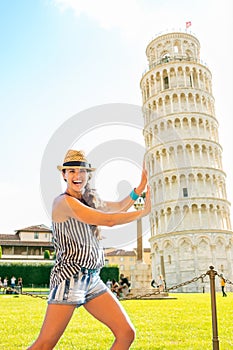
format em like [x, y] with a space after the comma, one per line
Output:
[212, 273]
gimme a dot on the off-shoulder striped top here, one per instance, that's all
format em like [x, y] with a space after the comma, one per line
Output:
[76, 246]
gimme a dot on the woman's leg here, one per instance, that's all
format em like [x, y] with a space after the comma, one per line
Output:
[107, 309]
[56, 319]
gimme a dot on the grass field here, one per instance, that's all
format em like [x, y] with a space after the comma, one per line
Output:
[183, 323]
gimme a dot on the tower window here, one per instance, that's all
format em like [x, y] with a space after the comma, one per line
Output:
[190, 79]
[169, 259]
[166, 83]
[185, 192]
[36, 235]
[176, 49]
[165, 58]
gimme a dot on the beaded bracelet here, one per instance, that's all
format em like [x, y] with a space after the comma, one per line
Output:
[133, 195]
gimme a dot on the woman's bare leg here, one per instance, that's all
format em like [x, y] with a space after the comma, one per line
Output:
[56, 319]
[107, 309]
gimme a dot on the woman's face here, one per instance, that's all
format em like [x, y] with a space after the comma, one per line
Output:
[76, 179]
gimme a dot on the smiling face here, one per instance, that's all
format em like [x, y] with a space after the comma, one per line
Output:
[76, 180]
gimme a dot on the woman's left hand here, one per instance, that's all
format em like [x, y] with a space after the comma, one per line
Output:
[140, 188]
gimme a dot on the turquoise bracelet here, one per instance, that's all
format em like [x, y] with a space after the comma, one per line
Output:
[133, 195]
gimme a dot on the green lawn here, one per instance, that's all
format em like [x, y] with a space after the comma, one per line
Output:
[177, 324]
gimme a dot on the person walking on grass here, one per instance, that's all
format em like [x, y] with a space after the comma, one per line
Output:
[223, 284]
[75, 280]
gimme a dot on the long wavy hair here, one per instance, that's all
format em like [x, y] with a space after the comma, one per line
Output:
[92, 198]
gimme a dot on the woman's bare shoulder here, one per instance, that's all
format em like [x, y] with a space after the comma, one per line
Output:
[60, 209]
[65, 206]
[58, 201]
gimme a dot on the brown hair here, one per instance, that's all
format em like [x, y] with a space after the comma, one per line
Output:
[92, 198]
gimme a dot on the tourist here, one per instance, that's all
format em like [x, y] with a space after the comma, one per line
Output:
[223, 284]
[161, 284]
[75, 280]
[109, 284]
[5, 282]
[13, 279]
[124, 285]
[20, 284]
[115, 286]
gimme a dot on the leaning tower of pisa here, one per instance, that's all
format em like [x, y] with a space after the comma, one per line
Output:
[190, 219]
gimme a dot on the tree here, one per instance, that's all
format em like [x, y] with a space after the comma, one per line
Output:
[47, 254]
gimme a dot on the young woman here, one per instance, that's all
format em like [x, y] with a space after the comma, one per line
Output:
[75, 279]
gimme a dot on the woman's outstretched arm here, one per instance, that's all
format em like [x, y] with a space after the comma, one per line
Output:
[65, 207]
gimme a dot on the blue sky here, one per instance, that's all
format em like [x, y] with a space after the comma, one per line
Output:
[60, 57]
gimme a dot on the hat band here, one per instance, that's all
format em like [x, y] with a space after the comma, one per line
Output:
[77, 163]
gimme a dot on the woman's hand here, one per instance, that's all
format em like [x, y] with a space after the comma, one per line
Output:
[140, 188]
[147, 204]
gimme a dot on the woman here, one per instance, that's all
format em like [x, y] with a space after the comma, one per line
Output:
[75, 279]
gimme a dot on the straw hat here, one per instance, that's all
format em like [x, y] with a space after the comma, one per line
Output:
[75, 159]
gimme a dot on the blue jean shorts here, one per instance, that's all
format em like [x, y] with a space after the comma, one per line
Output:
[78, 290]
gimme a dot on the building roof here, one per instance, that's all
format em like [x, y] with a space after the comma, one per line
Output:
[14, 239]
[10, 237]
[25, 243]
[147, 250]
[121, 252]
[36, 228]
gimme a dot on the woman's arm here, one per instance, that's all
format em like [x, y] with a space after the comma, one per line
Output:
[65, 207]
[126, 202]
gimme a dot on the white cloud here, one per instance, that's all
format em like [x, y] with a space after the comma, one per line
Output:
[133, 18]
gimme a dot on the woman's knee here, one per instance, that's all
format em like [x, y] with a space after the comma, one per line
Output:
[131, 334]
[127, 333]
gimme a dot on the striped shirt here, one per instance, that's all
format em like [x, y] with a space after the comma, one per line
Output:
[76, 246]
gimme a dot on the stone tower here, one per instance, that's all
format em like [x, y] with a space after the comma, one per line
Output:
[190, 219]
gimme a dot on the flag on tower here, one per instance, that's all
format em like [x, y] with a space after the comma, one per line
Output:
[188, 24]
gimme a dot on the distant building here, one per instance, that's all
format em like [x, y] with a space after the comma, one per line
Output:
[27, 243]
[126, 260]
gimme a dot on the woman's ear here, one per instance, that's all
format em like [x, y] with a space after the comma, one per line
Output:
[64, 175]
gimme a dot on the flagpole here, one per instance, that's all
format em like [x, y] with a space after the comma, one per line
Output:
[187, 25]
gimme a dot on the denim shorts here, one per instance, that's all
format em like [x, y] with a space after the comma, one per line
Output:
[79, 289]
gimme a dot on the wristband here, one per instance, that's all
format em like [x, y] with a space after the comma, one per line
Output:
[133, 195]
